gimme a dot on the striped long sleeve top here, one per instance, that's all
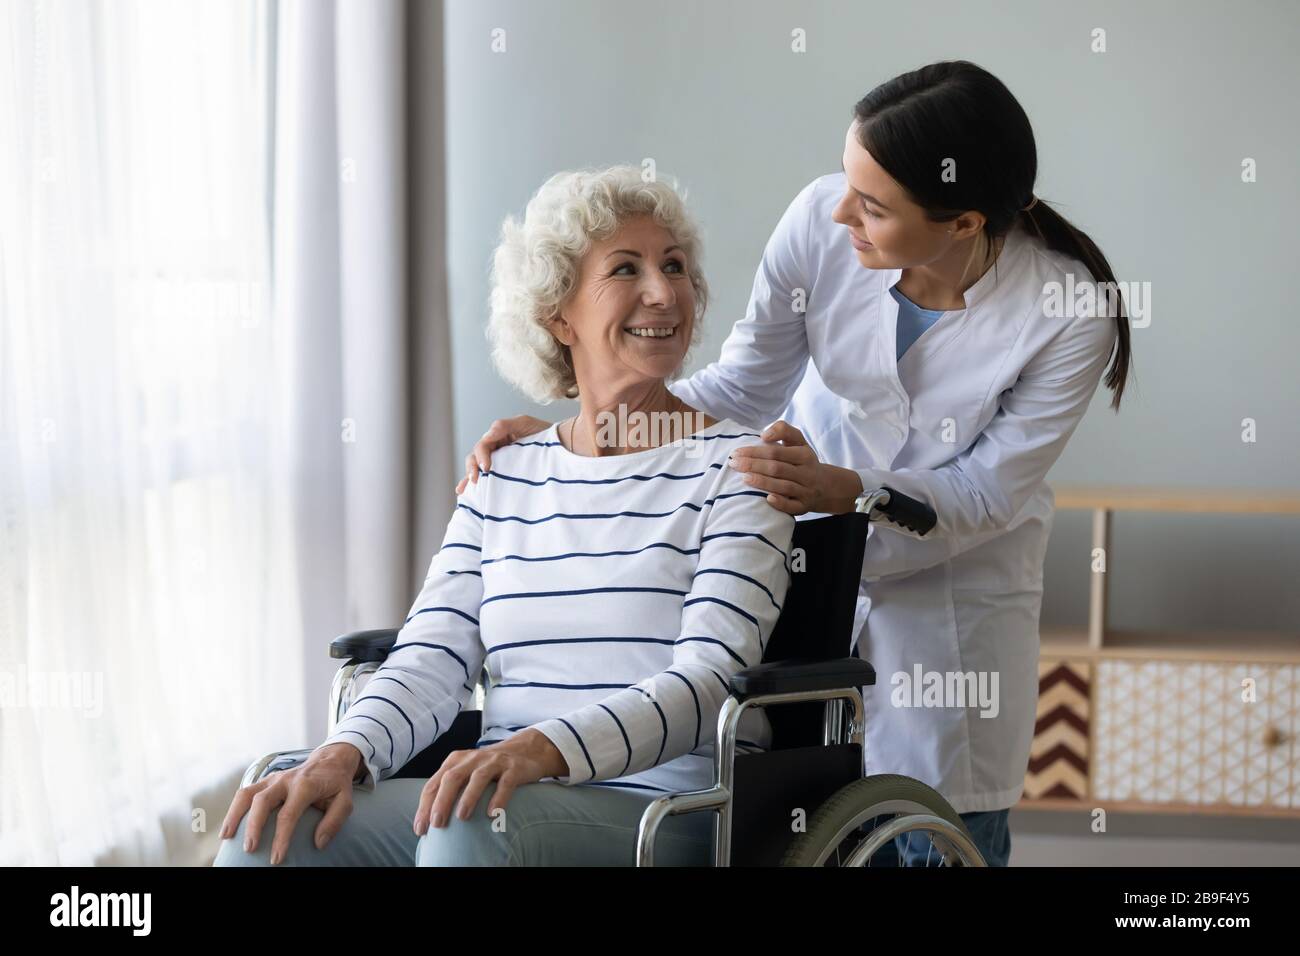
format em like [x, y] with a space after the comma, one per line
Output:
[608, 599]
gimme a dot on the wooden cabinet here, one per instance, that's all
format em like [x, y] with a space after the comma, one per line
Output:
[1177, 722]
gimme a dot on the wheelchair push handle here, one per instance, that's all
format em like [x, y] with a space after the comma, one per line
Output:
[899, 508]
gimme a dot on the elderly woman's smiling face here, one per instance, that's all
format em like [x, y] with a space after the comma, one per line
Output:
[631, 313]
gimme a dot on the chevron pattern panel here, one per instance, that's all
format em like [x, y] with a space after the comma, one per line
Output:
[1058, 758]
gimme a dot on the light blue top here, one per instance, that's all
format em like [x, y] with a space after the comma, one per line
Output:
[912, 321]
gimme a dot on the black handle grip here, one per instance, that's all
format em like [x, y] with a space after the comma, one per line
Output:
[908, 512]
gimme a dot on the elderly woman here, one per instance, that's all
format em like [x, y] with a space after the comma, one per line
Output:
[609, 574]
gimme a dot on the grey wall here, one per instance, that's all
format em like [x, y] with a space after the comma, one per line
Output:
[1141, 146]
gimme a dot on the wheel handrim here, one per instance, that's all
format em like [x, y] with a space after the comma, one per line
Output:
[951, 842]
[907, 816]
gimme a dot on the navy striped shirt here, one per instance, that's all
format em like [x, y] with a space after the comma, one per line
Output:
[609, 599]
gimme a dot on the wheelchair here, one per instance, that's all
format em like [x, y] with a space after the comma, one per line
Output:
[805, 801]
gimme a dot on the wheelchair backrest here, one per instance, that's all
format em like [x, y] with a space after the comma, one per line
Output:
[816, 621]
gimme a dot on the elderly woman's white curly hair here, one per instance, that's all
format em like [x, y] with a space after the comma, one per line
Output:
[537, 264]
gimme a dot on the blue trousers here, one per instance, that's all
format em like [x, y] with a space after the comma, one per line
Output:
[544, 824]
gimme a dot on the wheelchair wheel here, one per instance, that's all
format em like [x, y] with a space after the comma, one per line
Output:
[838, 833]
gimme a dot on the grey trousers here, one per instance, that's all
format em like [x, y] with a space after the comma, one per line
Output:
[544, 824]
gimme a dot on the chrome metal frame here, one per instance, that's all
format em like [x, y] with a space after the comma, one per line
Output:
[833, 723]
[260, 768]
[718, 797]
[869, 500]
[343, 690]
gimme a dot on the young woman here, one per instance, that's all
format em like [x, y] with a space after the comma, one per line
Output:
[907, 325]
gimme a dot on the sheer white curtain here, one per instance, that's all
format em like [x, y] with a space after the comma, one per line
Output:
[149, 642]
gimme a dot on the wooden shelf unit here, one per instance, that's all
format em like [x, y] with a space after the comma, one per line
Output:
[1156, 721]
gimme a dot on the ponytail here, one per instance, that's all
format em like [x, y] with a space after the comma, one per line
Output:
[1061, 236]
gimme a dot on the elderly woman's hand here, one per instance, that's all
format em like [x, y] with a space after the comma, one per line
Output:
[526, 757]
[323, 782]
[502, 432]
[795, 480]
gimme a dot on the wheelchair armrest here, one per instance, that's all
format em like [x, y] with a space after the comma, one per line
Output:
[788, 677]
[365, 645]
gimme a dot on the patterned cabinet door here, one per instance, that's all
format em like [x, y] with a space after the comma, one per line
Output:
[1192, 732]
[1058, 757]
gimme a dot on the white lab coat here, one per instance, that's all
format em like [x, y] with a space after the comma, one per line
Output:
[969, 421]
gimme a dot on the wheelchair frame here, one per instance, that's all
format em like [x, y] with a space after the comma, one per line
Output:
[719, 796]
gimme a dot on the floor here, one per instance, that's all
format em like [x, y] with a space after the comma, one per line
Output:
[1050, 838]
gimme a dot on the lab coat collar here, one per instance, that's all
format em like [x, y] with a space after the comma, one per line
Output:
[1011, 250]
